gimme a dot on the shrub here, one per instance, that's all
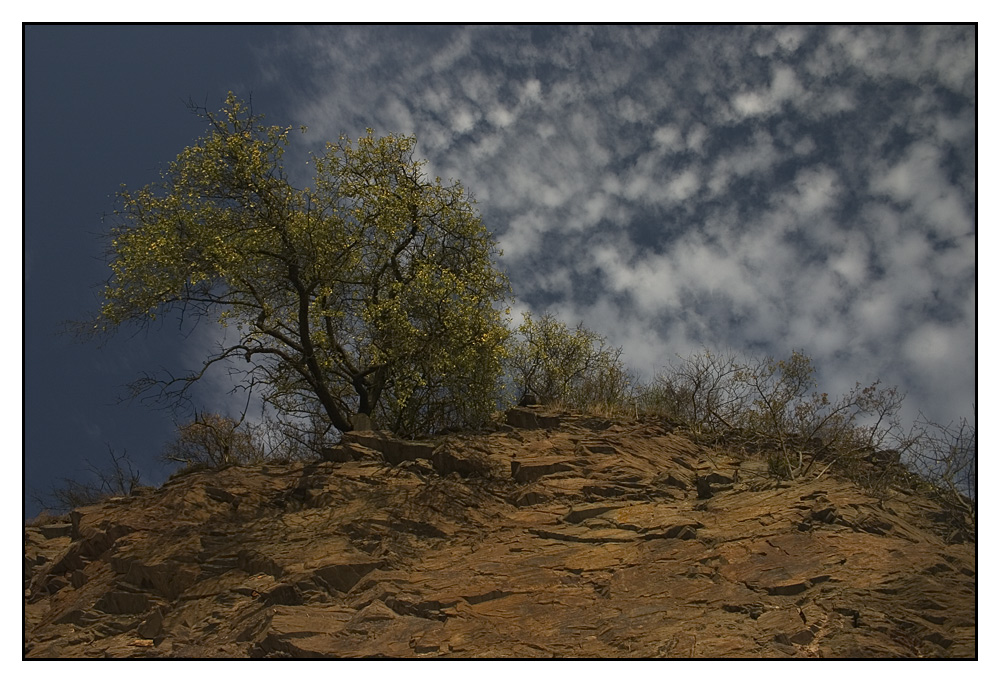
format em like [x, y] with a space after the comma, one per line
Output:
[945, 456]
[701, 392]
[805, 428]
[215, 441]
[287, 438]
[772, 407]
[574, 368]
[118, 477]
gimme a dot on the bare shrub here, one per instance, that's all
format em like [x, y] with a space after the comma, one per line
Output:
[289, 439]
[771, 407]
[945, 456]
[608, 388]
[118, 477]
[804, 428]
[215, 441]
[701, 391]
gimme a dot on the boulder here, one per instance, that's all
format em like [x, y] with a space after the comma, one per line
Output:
[393, 450]
[526, 418]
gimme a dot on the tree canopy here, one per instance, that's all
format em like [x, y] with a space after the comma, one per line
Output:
[372, 291]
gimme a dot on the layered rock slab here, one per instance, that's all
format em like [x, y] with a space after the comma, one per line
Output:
[557, 536]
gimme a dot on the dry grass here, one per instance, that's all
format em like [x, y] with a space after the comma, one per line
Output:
[47, 517]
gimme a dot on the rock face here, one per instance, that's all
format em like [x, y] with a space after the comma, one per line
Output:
[562, 536]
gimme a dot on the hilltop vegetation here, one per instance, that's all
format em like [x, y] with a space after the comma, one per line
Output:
[373, 297]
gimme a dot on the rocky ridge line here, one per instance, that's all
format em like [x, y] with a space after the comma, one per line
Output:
[557, 535]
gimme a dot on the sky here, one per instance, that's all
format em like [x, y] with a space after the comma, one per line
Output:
[673, 188]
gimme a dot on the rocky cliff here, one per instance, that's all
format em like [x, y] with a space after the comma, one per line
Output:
[554, 536]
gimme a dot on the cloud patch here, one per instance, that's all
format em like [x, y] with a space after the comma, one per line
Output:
[735, 187]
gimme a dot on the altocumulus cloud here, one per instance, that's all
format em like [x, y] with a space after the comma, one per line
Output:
[759, 189]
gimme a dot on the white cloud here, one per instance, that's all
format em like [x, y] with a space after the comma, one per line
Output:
[789, 186]
[930, 343]
[452, 53]
[595, 206]
[790, 37]
[701, 266]
[785, 84]
[784, 87]
[531, 92]
[500, 117]
[649, 280]
[464, 120]
[817, 190]
[696, 137]
[669, 137]
[752, 103]
[631, 111]
[522, 236]
[683, 186]
[918, 181]
[876, 312]
[851, 262]
[757, 155]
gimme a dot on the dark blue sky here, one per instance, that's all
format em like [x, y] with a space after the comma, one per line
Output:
[763, 189]
[104, 106]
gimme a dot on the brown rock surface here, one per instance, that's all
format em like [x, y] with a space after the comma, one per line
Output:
[591, 538]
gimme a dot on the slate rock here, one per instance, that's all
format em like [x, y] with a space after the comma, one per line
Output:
[561, 536]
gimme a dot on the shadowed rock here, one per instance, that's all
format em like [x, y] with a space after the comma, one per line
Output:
[393, 450]
[526, 418]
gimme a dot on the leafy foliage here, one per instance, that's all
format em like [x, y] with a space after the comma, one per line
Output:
[374, 291]
[557, 365]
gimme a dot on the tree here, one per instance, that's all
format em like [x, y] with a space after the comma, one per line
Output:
[577, 367]
[372, 291]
